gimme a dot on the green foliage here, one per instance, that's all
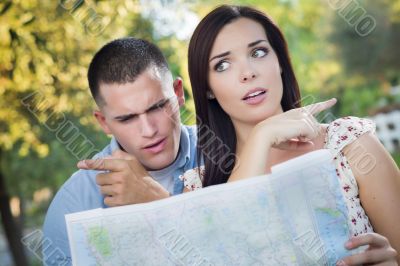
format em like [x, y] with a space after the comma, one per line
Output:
[45, 49]
[376, 54]
[46, 46]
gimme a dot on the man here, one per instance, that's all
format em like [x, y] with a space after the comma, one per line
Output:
[134, 90]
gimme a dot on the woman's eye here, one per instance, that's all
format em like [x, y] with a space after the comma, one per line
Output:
[260, 52]
[221, 66]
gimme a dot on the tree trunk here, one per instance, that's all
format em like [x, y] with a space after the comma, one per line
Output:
[11, 229]
[21, 218]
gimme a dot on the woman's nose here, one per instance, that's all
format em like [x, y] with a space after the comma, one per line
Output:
[247, 76]
[248, 73]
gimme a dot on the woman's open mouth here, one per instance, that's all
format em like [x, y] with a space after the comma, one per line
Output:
[255, 96]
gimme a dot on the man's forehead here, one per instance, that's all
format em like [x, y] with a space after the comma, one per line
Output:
[151, 77]
[136, 96]
[155, 72]
[164, 77]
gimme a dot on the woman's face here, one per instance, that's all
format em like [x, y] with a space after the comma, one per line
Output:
[244, 73]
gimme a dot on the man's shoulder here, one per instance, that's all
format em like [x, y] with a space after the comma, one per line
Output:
[82, 179]
[80, 188]
[189, 135]
[191, 130]
[78, 193]
[189, 146]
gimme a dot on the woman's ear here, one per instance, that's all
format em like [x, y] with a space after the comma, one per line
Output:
[210, 95]
[178, 89]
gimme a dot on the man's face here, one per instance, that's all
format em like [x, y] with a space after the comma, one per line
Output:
[144, 116]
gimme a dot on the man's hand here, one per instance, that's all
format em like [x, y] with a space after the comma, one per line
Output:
[127, 182]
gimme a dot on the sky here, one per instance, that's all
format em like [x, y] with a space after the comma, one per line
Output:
[170, 17]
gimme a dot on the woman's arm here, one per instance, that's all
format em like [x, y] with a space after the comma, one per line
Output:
[378, 180]
[280, 131]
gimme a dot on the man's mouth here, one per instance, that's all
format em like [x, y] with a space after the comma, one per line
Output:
[156, 146]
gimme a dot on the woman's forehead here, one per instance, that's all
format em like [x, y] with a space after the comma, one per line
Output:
[236, 34]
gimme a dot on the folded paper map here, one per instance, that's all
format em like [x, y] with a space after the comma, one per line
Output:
[294, 216]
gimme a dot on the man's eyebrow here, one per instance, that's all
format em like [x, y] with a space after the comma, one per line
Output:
[129, 116]
[227, 53]
[157, 104]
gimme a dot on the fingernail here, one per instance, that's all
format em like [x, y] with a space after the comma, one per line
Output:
[348, 244]
[341, 263]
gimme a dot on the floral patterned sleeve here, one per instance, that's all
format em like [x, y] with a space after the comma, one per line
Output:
[344, 131]
[340, 133]
[193, 178]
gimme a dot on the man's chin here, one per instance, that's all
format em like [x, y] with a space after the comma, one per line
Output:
[157, 165]
[159, 161]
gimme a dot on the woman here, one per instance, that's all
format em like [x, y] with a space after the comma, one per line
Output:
[246, 93]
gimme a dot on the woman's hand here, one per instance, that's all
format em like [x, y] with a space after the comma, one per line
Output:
[379, 251]
[289, 130]
[295, 128]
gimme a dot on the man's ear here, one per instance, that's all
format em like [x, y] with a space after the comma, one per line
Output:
[178, 89]
[102, 122]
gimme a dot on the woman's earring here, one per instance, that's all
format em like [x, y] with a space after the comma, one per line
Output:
[210, 95]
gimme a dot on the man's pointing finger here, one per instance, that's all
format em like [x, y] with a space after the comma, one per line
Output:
[102, 164]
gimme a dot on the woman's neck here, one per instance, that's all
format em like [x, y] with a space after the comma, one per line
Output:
[243, 130]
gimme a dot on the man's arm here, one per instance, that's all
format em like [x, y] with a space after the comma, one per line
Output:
[55, 246]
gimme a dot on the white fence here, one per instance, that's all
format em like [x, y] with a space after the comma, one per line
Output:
[388, 129]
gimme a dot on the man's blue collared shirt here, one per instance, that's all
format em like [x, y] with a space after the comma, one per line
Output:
[80, 193]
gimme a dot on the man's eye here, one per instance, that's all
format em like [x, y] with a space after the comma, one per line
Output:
[155, 108]
[221, 66]
[259, 52]
[162, 105]
[124, 120]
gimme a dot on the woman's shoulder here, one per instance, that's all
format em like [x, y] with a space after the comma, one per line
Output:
[343, 131]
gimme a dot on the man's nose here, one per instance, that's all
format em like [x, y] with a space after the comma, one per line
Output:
[149, 128]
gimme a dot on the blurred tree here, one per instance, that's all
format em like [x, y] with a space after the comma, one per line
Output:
[46, 46]
[371, 30]
[46, 122]
[39, 54]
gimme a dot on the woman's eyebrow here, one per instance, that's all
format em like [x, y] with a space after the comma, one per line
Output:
[255, 43]
[220, 55]
[227, 53]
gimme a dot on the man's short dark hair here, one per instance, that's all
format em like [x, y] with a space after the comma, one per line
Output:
[121, 61]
